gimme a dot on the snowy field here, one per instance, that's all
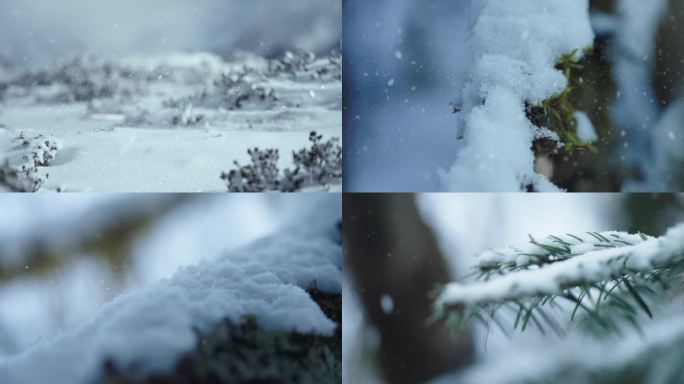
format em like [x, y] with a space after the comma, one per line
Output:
[164, 123]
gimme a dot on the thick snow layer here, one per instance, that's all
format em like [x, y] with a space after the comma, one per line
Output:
[150, 327]
[167, 123]
[594, 265]
[514, 47]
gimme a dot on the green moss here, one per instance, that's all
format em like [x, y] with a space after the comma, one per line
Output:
[557, 112]
[243, 353]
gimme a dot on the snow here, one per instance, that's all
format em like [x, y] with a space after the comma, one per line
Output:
[523, 364]
[514, 47]
[166, 127]
[595, 265]
[585, 129]
[575, 244]
[150, 327]
[386, 304]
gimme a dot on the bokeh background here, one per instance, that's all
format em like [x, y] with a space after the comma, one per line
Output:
[39, 31]
[63, 256]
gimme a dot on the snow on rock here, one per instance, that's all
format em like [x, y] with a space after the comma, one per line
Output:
[146, 330]
[513, 48]
[594, 265]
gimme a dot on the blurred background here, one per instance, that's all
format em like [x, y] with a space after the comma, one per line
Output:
[409, 63]
[400, 247]
[40, 31]
[63, 256]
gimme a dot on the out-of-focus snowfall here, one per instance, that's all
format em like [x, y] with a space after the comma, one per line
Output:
[127, 280]
[426, 240]
[433, 94]
[167, 96]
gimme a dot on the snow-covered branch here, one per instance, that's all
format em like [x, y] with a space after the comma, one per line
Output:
[515, 48]
[572, 267]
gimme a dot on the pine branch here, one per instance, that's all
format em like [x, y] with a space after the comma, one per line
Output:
[657, 352]
[598, 273]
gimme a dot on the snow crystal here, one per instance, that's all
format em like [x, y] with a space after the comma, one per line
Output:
[514, 48]
[151, 327]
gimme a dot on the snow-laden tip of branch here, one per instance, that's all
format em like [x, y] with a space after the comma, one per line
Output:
[514, 48]
[592, 266]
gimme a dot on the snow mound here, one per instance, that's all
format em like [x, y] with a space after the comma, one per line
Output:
[145, 331]
[514, 48]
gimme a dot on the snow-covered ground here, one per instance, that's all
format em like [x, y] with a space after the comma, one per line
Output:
[171, 122]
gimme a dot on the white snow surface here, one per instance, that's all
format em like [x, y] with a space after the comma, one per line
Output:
[152, 326]
[513, 49]
[588, 243]
[596, 265]
[150, 137]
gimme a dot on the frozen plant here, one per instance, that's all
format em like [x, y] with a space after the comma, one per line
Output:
[19, 179]
[82, 79]
[304, 64]
[187, 117]
[291, 63]
[41, 150]
[321, 164]
[261, 175]
[238, 90]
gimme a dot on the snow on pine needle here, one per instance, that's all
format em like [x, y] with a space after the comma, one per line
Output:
[552, 249]
[599, 273]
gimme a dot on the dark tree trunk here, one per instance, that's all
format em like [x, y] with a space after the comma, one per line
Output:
[391, 251]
